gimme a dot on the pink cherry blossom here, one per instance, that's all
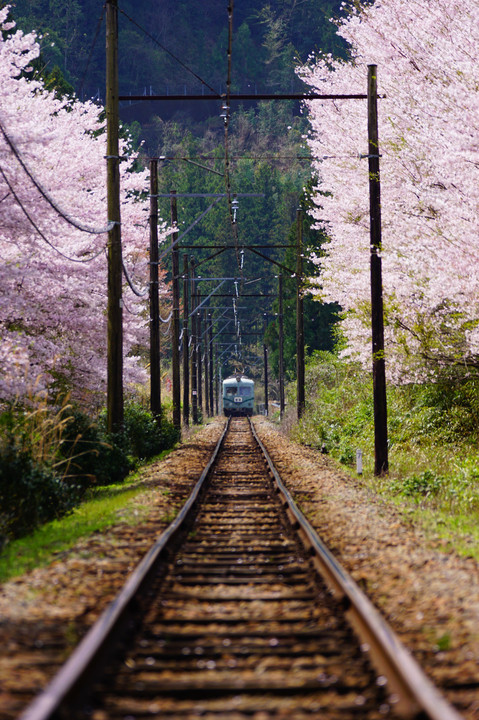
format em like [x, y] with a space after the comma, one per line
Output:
[53, 289]
[427, 55]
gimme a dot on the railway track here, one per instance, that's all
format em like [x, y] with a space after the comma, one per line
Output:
[227, 617]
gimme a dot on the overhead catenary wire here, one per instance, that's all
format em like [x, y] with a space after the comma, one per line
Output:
[226, 117]
[42, 235]
[92, 47]
[168, 52]
[44, 193]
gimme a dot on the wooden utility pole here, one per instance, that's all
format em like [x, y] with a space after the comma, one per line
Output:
[381, 464]
[265, 360]
[300, 373]
[114, 310]
[199, 353]
[218, 381]
[175, 325]
[155, 376]
[186, 344]
[194, 371]
[281, 347]
[208, 412]
[212, 364]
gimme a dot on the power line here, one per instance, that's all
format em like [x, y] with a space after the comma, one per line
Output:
[226, 117]
[95, 38]
[177, 59]
[45, 194]
[44, 238]
[191, 158]
[135, 291]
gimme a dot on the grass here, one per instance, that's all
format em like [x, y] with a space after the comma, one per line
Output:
[103, 509]
[433, 444]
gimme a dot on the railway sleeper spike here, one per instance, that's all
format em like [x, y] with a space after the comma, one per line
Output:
[234, 662]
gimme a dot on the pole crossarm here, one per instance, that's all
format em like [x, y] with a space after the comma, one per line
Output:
[207, 195]
[233, 247]
[275, 262]
[248, 295]
[243, 96]
[208, 279]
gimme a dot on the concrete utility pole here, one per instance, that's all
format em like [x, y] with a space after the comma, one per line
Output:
[114, 310]
[381, 464]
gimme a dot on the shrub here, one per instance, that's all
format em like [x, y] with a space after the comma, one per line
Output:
[48, 457]
[30, 494]
[145, 436]
[425, 484]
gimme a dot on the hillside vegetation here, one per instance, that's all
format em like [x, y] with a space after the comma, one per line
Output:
[268, 37]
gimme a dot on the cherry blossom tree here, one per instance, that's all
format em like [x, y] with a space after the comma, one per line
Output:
[53, 274]
[427, 56]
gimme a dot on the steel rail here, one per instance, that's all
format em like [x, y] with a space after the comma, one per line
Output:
[82, 664]
[416, 694]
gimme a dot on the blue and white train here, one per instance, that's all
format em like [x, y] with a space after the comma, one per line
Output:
[238, 395]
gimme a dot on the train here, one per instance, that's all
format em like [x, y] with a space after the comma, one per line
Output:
[238, 395]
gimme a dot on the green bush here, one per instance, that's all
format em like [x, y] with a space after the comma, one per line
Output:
[29, 494]
[95, 456]
[40, 481]
[425, 484]
[145, 436]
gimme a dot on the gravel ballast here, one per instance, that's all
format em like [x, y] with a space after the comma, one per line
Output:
[430, 596]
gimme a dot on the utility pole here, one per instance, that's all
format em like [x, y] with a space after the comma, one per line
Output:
[155, 376]
[265, 359]
[207, 367]
[175, 325]
[300, 373]
[114, 310]
[381, 464]
[194, 372]
[218, 380]
[281, 347]
[199, 358]
[186, 345]
[212, 365]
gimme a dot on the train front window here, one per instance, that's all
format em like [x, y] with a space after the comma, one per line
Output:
[231, 391]
[245, 391]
